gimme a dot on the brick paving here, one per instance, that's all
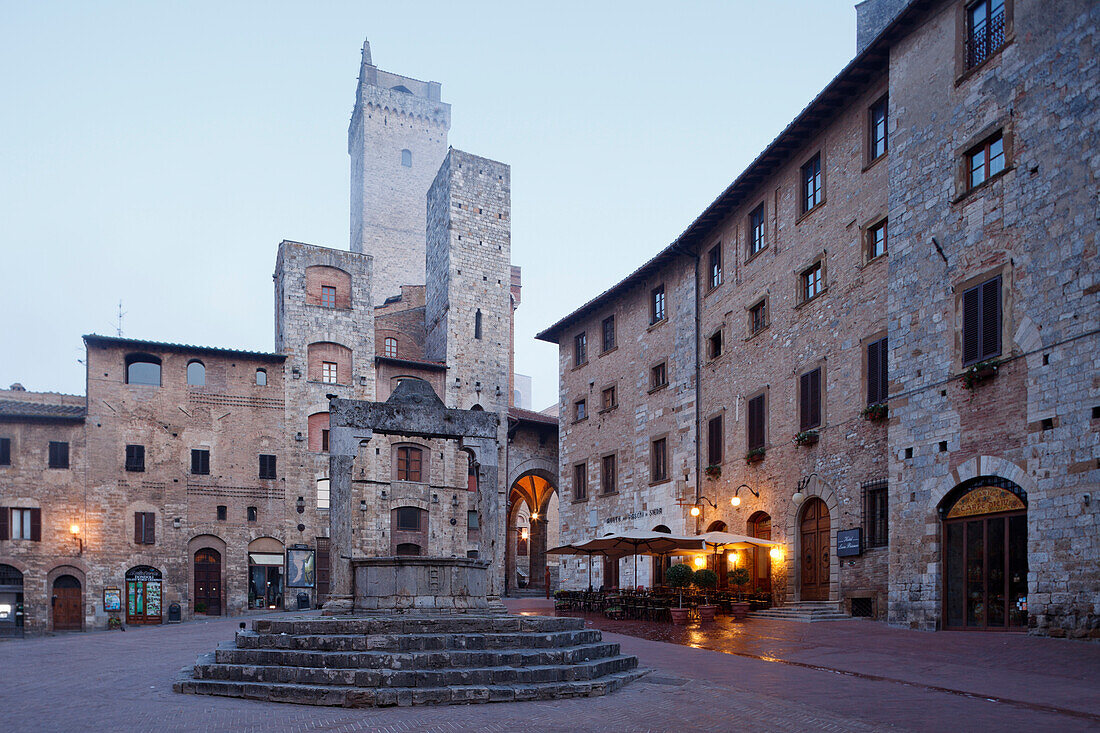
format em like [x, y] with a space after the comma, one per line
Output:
[764, 675]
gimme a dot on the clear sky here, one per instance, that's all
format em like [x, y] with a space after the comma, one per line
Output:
[156, 153]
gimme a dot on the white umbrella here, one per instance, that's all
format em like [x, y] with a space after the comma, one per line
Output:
[633, 542]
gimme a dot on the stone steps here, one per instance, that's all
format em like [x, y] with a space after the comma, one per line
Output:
[804, 612]
[414, 642]
[417, 625]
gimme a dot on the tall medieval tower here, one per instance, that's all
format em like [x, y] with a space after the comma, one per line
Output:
[397, 140]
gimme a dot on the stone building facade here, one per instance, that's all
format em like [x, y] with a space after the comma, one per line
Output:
[893, 317]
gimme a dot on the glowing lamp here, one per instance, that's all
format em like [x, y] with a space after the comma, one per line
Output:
[700, 562]
[524, 533]
[776, 553]
[736, 501]
[534, 515]
[696, 511]
[74, 529]
[734, 558]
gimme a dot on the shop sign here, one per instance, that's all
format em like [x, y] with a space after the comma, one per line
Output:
[635, 515]
[112, 599]
[986, 500]
[849, 542]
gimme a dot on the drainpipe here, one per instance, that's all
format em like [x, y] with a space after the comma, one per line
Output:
[698, 372]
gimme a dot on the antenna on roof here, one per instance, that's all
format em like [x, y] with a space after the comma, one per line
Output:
[120, 315]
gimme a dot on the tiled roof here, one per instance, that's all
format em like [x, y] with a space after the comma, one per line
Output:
[419, 363]
[94, 339]
[16, 408]
[517, 413]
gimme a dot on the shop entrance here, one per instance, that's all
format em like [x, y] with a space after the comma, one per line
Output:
[265, 580]
[208, 582]
[143, 585]
[985, 556]
[68, 598]
[760, 526]
[11, 601]
[815, 551]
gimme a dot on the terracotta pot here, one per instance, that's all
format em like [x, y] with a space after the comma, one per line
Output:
[679, 616]
[706, 613]
[740, 609]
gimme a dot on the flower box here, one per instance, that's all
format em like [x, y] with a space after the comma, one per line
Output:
[876, 412]
[979, 373]
[807, 437]
[755, 455]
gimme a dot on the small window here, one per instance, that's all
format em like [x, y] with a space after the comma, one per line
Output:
[145, 525]
[252, 513]
[267, 466]
[135, 458]
[758, 317]
[715, 445]
[876, 240]
[810, 282]
[985, 30]
[714, 265]
[407, 158]
[328, 372]
[580, 482]
[580, 349]
[756, 230]
[223, 512]
[876, 371]
[5, 451]
[472, 554]
[59, 454]
[657, 311]
[324, 440]
[408, 519]
[876, 513]
[811, 184]
[809, 396]
[658, 460]
[472, 522]
[143, 369]
[981, 316]
[200, 461]
[878, 117]
[714, 345]
[580, 410]
[322, 493]
[26, 524]
[408, 549]
[389, 347]
[986, 160]
[328, 296]
[261, 377]
[608, 398]
[409, 464]
[477, 324]
[658, 376]
[757, 419]
[196, 374]
[608, 475]
[609, 333]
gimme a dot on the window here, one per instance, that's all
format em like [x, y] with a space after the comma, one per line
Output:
[609, 400]
[981, 332]
[407, 158]
[809, 400]
[261, 377]
[657, 304]
[473, 524]
[878, 118]
[328, 372]
[658, 460]
[876, 371]
[477, 324]
[223, 512]
[985, 30]
[200, 461]
[875, 514]
[389, 346]
[267, 466]
[580, 482]
[135, 458]
[714, 259]
[324, 440]
[986, 160]
[252, 513]
[580, 410]
[758, 317]
[658, 376]
[322, 493]
[5, 451]
[757, 419]
[409, 462]
[714, 345]
[26, 524]
[810, 284]
[328, 296]
[59, 454]
[145, 528]
[196, 374]
[407, 519]
[756, 230]
[607, 475]
[876, 240]
[811, 183]
[608, 333]
[408, 549]
[143, 369]
[580, 349]
[715, 445]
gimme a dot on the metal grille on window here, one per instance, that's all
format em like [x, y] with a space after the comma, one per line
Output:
[875, 513]
[985, 30]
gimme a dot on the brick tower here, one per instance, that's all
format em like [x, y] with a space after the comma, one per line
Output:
[397, 140]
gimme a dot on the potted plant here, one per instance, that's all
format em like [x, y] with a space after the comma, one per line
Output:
[754, 455]
[876, 412]
[807, 437]
[705, 579]
[979, 373]
[739, 578]
[200, 607]
[713, 471]
[679, 577]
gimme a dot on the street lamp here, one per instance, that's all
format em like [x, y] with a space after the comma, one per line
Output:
[736, 500]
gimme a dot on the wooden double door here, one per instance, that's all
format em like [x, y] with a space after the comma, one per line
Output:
[67, 600]
[208, 582]
[816, 546]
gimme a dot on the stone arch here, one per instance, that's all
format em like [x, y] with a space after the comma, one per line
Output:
[66, 568]
[534, 483]
[979, 466]
[819, 489]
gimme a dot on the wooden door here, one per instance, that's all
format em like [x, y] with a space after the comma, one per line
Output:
[322, 570]
[67, 603]
[760, 526]
[610, 573]
[815, 551]
[208, 582]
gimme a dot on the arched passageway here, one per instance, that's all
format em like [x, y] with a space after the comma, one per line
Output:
[532, 500]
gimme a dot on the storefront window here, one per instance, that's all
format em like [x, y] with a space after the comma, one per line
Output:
[143, 595]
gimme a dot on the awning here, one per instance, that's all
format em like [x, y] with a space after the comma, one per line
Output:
[263, 558]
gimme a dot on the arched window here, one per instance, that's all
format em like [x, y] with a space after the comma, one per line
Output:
[196, 373]
[408, 548]
[261, 377]
[407, 158]
[143, 369]
[318, 427]
[322, 493]
[409, 463]
[390, 347]
[477, 324]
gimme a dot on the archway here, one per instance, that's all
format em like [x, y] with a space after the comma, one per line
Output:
[531, 504]
[68, 603]
[815, 549]
[760, 568]
[265, 573]
[11, 600]
[143, 595]
[208, 581]
[984, 524]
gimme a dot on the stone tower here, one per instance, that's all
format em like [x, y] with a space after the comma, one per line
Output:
[397, 140]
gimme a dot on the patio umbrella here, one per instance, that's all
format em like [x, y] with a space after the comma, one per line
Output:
[577, 550]
[716, 542]
[633, 542]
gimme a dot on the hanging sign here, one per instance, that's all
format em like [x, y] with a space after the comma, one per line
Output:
[849, 542]
[986, 500]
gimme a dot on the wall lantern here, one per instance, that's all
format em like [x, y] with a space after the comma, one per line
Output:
[524, 533]
[362, 505]
[776, 553]
[74, 530]
[736, 500]
[454, 500]
[696, 510]
[734, 558]
[300, 505]
[700, 561]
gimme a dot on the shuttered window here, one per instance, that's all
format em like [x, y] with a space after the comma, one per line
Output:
[5, 451]
[981, 322]
[876, 372]
[145, 528]
[267, 466]
[714, 441]
[659, 460]
[135, 458]
[607, 474]
[580, 482]
[200, 461]
[59, 454]
[809, 395]
[756, 422]
[408, 464]
[20, 524]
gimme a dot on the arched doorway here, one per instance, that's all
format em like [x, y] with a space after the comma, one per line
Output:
[11, 601]
[265, 573]
[760, 568]
[208, 581]
[815, 549]
[68, 602]
[985, 555]
[143, 585]
[532, 510]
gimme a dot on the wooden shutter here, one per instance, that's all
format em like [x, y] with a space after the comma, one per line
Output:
[804, 402]
[36, 525]
[972, 312]
[139, 535]
[991, 318]
[810, 399]
[873, 365]
[884, 370]
[150, 523]
[756, 422]
[5, 519]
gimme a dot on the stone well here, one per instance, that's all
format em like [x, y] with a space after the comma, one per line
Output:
[413, 584]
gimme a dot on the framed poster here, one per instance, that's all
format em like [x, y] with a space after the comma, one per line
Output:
[301, 569]
[112, 599]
